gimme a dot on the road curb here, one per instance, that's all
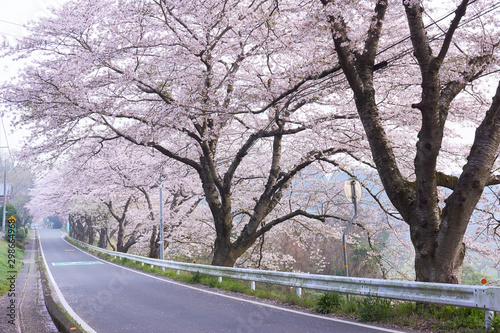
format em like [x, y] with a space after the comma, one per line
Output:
[62, 323]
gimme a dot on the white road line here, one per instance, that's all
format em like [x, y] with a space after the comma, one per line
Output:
[65, 304]
[381, 329]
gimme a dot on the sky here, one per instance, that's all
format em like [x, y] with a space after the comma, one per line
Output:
[13, 14]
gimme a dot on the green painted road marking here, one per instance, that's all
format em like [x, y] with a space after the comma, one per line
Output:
[76, 263]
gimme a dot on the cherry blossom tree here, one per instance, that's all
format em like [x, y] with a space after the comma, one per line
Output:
[449, 58]
[232, 89]
[111, 190]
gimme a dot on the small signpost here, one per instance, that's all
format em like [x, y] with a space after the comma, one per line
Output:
[162, 240]
[11, 220]
[352, 189]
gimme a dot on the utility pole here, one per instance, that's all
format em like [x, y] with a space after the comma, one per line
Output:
[4, 178]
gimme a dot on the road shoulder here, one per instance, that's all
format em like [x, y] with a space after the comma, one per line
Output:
[31, 315]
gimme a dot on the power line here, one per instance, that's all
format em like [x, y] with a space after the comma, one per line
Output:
[381, 64]
[19, 25]
[474, 17]
[11, 35]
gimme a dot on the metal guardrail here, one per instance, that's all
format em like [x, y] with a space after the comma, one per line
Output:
[470, 296]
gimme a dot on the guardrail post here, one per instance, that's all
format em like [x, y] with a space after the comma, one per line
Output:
[142, 264]
[299, 291]
[220, 279]
[252, 285]
[487, 319]
[177, 272]
[151, 266]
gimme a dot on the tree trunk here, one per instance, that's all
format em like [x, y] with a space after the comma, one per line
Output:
[430, 266]
[154, 244]
[121, 244]
[218, 194]
[90, 230]
[119, 238]
[102, 238]
[131, 241]
[226, 255]
[79, 229]
[121, 219]
[71, 222]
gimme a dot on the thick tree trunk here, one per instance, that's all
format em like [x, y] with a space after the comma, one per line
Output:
[71, 222]
[154, 244]
[102, 238]
[131, 241]
[80, 229]
[218, 194]
[119, 238]
[430, 266]
[90, 230]
[121, 244]
[226, 255]
[223, 256]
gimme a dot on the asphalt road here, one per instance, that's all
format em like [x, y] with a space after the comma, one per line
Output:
[110, 298]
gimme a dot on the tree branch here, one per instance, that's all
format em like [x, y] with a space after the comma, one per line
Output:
[286, 217]
[154, 145]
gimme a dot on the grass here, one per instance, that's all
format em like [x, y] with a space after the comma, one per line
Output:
[6, 262]
[435, 318]
[408, 315]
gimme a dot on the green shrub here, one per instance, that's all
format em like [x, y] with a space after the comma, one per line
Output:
[351, 306]
[454, 318]
[374, 309]
[495, 323]
[329, 302]
[20, 234]
[195, 278]
[213, 283]
[469, 318]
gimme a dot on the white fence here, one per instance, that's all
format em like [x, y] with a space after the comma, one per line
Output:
[479, 297]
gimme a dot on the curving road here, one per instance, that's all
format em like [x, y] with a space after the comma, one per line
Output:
[109, 298]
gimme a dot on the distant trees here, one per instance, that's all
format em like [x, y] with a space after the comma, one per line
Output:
[21, 178]
[57, 223]
[10, 210]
